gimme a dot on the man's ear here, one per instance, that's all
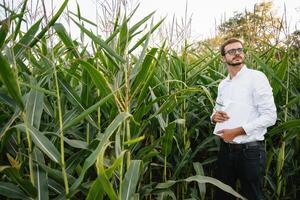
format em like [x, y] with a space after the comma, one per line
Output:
[223, 59]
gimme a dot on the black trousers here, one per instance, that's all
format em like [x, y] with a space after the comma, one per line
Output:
[243, 162]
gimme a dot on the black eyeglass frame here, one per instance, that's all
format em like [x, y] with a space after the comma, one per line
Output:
[235, 51]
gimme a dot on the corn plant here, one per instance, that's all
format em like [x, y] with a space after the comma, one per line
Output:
[118, 118]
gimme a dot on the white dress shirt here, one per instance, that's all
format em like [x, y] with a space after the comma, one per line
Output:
[248, 99]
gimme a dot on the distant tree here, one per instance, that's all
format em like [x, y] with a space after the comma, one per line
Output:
[261, 25]
[294, 41]
[257, 28]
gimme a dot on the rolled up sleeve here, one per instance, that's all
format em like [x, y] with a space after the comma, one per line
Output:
[216, 107]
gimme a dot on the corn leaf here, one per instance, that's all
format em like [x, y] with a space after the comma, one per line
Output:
[42, 142]
[4, 31]
[28, 37]
[34, 108]
[201, 186]
[50, 23]
[96, 192]
[100, 42]
[41, 179]
[131, 178]
[146, 36]
[11, 190]
[74, 98]
[24, 184]
[8, 77]
[97, 76]
[63, 35]
[87, 111]
[219, 184]
[105, 139]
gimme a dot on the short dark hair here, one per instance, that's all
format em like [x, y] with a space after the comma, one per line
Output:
[229, 41]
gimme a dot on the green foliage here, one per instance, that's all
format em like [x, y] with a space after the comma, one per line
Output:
[255, 27]
[119, 119]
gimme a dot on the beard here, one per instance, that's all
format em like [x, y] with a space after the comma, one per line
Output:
[234, 64]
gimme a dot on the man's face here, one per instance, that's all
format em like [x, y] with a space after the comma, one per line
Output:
[234, 55]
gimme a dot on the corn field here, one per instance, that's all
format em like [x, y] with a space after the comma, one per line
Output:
[118, 118]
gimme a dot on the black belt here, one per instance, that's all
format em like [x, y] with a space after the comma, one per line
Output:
[249, 145]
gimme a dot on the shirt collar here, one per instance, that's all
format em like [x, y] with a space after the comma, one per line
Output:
[242, 71]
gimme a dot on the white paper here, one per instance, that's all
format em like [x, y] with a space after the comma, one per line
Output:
[238, 115]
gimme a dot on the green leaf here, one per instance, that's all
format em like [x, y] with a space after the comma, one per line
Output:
[174, 99]
[38, 89]
[107, 187]
[75, 160]
[152, 69]
[6, 127]
[102, 179]
[96, 191]
[104, 140]
[219, 184]
[8, 77]
[168, 139]
[275, 85]
[42, 142]
[100, 42]
[201, 179]
[131, 178]
[123, 37]
[34, 108]
[87, 111]
[56, 188]
[79, 144]
[144, 71]
[165, 185]
[63, 35]
[201, 186]
[18, 26]
[82, 18]
[146, 36]
[4, 31]
[41, 179]
[293, 101]
[15, 176]
[24, 42]
[284, 127]
[6, 100]
[86, 91]
[159, 117]
[97, 76]
[135, 140]
[141, 22]
[50, 23]
[194, 77]
[56, 174]
[281, 72]
[166, 194]
[10, 190]
[74, 98]
[117, 163]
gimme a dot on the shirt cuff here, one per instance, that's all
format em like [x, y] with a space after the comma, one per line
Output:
[247, 128]
[211, 121]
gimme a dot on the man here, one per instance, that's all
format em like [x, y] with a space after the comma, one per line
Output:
[244, 109]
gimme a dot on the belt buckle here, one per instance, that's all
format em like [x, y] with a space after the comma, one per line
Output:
[252, 144]
[235, 147]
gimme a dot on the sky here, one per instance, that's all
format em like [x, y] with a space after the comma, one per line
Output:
[205, 14]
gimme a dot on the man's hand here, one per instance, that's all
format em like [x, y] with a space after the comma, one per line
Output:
[220, 116]
[229, 134]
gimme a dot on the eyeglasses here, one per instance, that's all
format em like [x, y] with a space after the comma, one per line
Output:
[235, 51]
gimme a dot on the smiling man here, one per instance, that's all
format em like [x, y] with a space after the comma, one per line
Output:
[244, 109]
